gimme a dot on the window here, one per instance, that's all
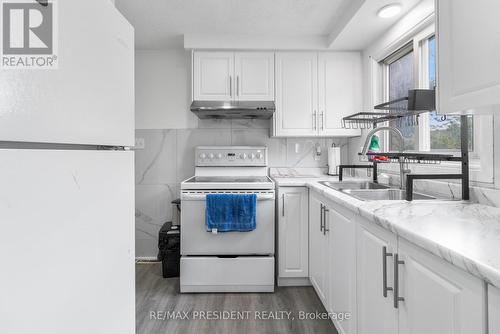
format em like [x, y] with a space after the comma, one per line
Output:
[404, 64]
[435, 132]
[400, 79]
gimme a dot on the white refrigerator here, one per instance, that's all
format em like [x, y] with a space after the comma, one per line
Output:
[67, 181]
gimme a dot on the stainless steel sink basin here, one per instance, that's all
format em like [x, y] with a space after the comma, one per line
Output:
[343, 185]
[383, 194]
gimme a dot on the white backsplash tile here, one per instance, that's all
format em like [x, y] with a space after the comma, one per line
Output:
[214, 123]
[251, 124]
[152, 209]
[301, 152]
[155, 163]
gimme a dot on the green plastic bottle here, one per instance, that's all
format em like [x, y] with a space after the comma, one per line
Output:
[374, 144]
[374, 147]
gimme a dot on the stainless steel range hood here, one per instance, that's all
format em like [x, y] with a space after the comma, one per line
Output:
[233, 109]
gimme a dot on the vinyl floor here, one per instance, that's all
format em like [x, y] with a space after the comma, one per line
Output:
[160, 308]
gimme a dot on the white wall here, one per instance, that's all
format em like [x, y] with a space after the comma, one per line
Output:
[162, 90]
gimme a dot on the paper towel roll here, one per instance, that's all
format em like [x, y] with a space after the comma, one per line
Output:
[333, 160]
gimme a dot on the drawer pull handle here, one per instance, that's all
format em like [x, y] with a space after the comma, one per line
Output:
[385, 254]
[397, 298]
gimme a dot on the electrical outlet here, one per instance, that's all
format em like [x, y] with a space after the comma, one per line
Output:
[140, 143]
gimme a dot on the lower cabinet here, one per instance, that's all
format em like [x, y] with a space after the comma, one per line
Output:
[332, 261]
[404, 289]
[387, 284]
[437, 297]
[341, 259]
[293, 240]
[493, 309]
[318, 248]
[375, 246]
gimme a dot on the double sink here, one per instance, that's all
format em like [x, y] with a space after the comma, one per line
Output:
[370, 191]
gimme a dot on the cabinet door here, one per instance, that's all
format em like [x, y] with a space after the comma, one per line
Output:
[376, 313]
[340, 91]
[293, 232]
[296, 94]
[468, 52]
[493, 309]
[317, 248]
[342, 266]
[438, 297]
[213, 76]
[254, 73]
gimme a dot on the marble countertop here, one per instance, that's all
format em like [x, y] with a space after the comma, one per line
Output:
[464, 234]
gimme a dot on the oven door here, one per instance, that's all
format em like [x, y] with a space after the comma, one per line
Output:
[196, 240]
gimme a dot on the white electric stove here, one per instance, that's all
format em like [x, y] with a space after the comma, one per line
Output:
[229, 261]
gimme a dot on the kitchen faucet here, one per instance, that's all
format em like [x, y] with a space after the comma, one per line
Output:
[402, 170]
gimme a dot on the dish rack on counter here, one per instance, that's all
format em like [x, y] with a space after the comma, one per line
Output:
[406, 112]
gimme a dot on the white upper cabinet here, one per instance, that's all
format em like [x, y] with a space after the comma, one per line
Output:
[225, 76]
[213, 76]
[340, 91]
[468, 55]
[89, 97]
[254, 72]
[314, 91]
[296, 94]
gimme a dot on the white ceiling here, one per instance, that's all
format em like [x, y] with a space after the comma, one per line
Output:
[365, 26]
[162, 23]
[344, 24]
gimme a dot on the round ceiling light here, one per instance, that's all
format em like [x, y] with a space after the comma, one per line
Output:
[389, 11]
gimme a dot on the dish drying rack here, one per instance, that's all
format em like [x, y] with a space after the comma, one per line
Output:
[367, 120]
[410, 157]
[406, 112]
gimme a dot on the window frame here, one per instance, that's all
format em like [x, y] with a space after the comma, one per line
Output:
[481, 158]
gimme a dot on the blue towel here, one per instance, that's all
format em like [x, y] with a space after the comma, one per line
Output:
[231, 212]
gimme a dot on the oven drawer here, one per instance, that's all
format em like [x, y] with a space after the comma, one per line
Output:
[239, 274]
[195, 240]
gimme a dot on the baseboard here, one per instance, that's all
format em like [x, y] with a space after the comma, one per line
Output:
[294, 281]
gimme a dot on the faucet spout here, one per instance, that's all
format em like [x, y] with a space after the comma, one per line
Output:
[402, 169]
[388, 128]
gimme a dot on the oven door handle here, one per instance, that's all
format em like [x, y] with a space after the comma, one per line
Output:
[202, 197]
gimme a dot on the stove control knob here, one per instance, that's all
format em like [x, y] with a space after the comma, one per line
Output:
[243, 156]
[203, 156]
[219, 156]
[259, 156]
[211, 156]
[252, 156]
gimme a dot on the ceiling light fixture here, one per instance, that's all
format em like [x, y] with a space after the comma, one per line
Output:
[389, 11]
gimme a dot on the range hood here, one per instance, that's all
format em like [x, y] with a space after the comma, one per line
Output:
[233, 109]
